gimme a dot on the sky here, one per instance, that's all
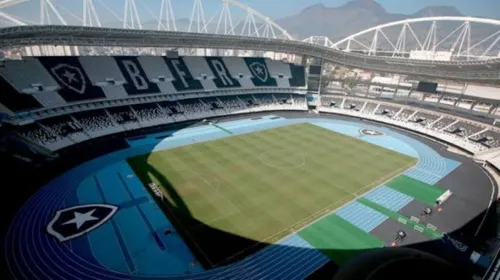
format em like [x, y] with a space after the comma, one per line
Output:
[280, 8]
[274, 8]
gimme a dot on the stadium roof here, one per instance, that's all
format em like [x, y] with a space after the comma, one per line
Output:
[96, 36]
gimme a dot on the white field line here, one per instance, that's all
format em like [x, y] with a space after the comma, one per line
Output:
[189, 234]
[355, 196]
[398, 173]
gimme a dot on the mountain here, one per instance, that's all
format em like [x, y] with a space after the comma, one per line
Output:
[352, 17]
[368, 5]
[434, 11]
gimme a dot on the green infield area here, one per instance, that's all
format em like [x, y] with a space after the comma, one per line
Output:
[230, 197]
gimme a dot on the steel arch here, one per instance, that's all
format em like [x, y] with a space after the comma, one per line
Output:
[461, 48]
[163, 16]
[92, 36]
[261, 16]
[413, 20]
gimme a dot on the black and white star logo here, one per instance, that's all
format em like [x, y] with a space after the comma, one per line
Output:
[370, 132]
[78, 220]
[81, 218]
[259, 71]
[70, 77]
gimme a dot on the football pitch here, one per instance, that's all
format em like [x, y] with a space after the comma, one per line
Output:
[230, 197]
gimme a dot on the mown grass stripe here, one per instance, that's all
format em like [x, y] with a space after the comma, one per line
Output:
[256, 188]
[400, 218]
[338, 239]
[419, 190]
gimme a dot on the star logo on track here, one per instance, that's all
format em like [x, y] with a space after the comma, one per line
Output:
[370, 132]
[75, 221]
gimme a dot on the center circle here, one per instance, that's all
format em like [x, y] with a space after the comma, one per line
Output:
[283, 159]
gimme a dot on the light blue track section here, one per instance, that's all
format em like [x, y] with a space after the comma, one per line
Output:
[344, 128]
[387, 141]
[431, 166]
[88, 194]
[282, 261]
[431, 172]
[178, 254]
[361, 216]
[207, 132]
[389, 198]
[115, 183]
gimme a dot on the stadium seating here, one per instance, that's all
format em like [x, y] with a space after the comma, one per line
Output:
[404, 114]
[50, 82]
[61, 131]
[470, 135]
[443, 123]
[59, 101]
[424, 118]
[370, 107]
[151, 114]
[66, 127]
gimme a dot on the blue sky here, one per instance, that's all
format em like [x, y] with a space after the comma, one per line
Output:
[279, 8]
[273, 8]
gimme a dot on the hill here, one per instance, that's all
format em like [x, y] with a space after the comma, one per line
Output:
[354, 16]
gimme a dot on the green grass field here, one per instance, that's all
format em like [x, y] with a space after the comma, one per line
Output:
[230, 197]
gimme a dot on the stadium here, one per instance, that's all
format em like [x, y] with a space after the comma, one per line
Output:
[224, 150]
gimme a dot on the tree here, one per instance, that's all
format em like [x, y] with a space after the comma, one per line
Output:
[326, 79]
[350, 82]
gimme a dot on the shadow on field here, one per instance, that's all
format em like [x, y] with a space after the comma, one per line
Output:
[214, 247]
[204, 241]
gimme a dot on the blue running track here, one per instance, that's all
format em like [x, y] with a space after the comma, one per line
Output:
[131, 244]
[389, 198]
[361, 216]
